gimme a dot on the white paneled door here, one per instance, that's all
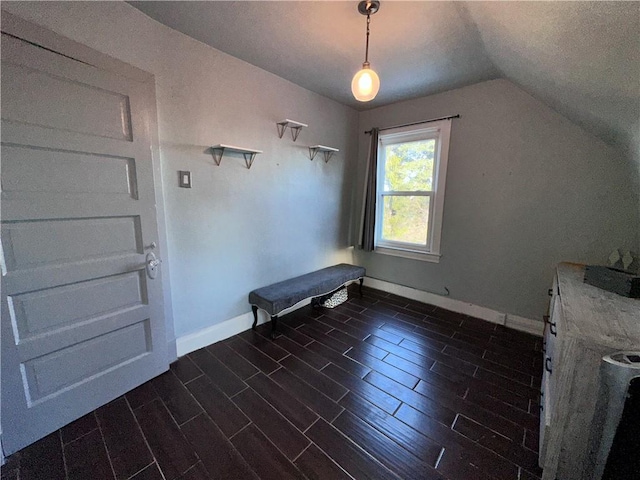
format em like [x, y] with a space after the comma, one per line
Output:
[82, 317]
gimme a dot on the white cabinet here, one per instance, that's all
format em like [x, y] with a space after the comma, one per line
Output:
[585, 323]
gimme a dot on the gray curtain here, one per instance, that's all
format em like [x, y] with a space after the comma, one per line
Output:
[368, 224]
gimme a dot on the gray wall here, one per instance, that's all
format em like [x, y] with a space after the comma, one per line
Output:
[526, 189]
[236, 229]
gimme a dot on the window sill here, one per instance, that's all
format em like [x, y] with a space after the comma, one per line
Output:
[412, 254]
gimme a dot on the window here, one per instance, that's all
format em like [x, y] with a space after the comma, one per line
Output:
[412, 167]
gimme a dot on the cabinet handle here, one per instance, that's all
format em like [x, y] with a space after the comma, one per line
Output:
[552, 326]
[547, 365]
[550, 292]
[544, 346]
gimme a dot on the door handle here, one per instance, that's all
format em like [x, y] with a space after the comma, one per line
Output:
[152, 264]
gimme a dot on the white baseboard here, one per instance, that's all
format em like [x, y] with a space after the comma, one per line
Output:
[512, 321]
[223, 330]
[220, 331]
[534, 327]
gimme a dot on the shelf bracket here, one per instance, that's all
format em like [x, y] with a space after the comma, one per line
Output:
[249, 158]
[327, 156]
[217, 153]
[282, 126]
[295, 131]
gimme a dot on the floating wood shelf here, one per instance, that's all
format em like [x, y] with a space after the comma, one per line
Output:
[294, 126]
[327, 152]
[249, 154]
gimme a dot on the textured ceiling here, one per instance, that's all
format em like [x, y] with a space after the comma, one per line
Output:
[417, 48]
[581, 58]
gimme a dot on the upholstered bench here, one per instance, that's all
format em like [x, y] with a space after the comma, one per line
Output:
[275, 298]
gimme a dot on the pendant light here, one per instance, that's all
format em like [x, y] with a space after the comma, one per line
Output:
[366, 83]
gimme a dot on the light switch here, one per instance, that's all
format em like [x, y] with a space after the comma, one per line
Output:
[184, 179]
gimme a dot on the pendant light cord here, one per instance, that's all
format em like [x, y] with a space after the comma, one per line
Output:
[366, 52]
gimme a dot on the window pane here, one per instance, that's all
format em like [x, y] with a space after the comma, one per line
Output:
[405, 219]
[409, 166]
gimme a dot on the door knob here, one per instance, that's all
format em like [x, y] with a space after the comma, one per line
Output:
[152, 264]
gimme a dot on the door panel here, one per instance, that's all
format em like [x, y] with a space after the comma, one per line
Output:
[38, 243]
[46, 100]
[48, 310]
[82, 323]
[31, 170]
[52, 373]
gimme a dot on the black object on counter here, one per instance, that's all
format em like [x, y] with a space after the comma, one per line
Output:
[613, 280]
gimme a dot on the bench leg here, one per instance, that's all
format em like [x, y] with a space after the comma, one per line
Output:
[274, 327]
[254, 309]
[361, 282]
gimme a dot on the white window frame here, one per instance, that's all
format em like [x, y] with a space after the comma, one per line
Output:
[441, 132]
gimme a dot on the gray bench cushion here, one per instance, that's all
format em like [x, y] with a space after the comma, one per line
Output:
[275, 298]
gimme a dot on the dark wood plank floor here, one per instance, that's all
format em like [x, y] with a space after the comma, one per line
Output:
[379, 387]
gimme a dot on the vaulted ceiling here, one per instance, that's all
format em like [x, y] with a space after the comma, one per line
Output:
[580, 58]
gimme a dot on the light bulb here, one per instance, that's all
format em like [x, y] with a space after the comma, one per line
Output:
[365, 84]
